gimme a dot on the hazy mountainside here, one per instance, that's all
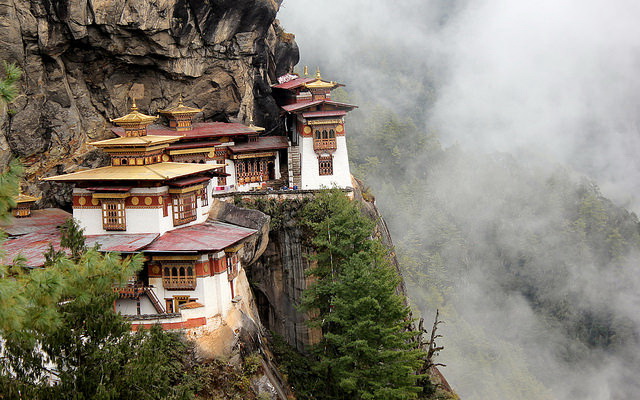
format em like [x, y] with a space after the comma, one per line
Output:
[533, 268]
[81, 58]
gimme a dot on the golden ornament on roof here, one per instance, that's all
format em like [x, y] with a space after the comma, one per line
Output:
[134, 118]
[180, 109]
[24, 198]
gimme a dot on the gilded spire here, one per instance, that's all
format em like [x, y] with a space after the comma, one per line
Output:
[318, 83]
[135, 123]
[181, 116]
[306, 70]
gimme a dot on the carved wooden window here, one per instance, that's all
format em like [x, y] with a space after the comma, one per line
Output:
[325, 164]
[204, 196]
[165, 206]
[180, 300]
[179, 276]
[113, 215]
[232, 265]
[169, 305]
[252, 170]
[324, 139]
[184, 208]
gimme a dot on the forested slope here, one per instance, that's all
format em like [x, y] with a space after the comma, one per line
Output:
[530, 264]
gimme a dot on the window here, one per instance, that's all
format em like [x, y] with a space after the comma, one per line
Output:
[184, 208]
[232, 265]
[325, 164]
[252, 170]
[169, 303]
[180, 300]
[179, 276]
[113, 215]
[165, 206]
[204, 196]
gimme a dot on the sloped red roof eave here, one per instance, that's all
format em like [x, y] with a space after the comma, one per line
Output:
[208, 236]
[301, 106]
[199, 130]
[262, 144]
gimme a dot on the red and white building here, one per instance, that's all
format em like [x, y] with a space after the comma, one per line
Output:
[155, 197]
[314, 124]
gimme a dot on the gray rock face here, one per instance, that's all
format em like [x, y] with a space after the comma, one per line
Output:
[81, 58]
[278, 279]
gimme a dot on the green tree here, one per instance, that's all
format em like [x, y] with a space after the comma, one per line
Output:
[62, 328]
[366, 350]
[8, 90]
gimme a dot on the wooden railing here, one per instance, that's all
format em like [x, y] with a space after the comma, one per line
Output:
[248, 177]
[131, 291]
[179, 282]
[324, 144]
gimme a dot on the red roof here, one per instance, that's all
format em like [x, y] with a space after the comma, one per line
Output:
[300, 106]
[47, 219]
[110, 188]
[31, 246]
[333, 113]
[121, 243]
[200, 130]
[208, 236]
[192, 304]
[294, 83]
[263, 143]
[194, 145]
[189, 181]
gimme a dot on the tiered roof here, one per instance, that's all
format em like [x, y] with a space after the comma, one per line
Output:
[180, 110]
[199, 130]
[135, 123]
[153, 172]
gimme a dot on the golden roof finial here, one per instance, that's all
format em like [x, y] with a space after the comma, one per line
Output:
[306, 70]
[318, 73]
[180, 100]
[134, 106]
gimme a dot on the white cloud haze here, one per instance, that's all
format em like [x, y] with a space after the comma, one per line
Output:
[552, 80]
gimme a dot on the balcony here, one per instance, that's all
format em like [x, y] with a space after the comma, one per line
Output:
[179, 282]
[245, 178]
[324, 144]
[131, 291]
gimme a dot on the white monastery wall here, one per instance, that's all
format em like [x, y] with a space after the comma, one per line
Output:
[139, 220]
[311, 178]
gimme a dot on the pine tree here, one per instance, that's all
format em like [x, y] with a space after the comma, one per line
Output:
[366, 350]
[58, 326]
[8, 90]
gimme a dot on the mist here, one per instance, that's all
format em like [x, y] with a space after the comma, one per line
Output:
[517, 91]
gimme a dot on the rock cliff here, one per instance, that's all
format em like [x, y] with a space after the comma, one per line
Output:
[279, 275]
[83, 59]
